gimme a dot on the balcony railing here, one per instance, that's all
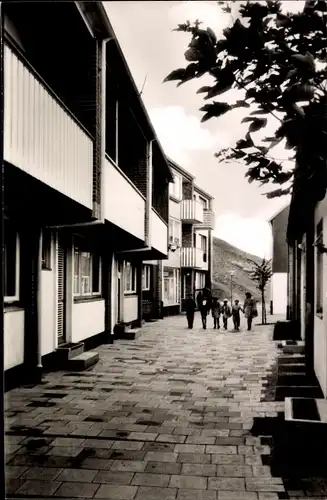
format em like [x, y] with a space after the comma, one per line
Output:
[191, 212]
[192, 257]
[208, 219]
[124, 205]
[41, 137]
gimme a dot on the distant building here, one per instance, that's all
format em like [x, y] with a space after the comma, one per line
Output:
[189, 265]
[279, 281]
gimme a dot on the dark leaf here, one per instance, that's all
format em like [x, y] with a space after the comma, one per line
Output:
[177, 74]
[247, 119]
[215, 109]
[203, 89]
[257, 124]
[241, 104]
[212, 35]
[306, 60]
[277, 193]
[192, 54]
[282, 21]
[244, 143]
[259, 112]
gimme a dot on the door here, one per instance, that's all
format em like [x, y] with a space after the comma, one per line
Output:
[61, 300]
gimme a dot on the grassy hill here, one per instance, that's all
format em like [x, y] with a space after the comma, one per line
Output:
[227, 258]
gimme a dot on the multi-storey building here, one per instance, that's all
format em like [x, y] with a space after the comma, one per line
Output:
[189, 265]
[86, 183]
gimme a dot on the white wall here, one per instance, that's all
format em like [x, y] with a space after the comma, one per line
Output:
[320, 324]
[88, 319]
[279, 293]
[174, 259]
[123, 203]
[130, 308]
[13, 338]
[174, 209]
[159, 234]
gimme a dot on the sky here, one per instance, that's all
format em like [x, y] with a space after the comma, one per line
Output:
[152, 50]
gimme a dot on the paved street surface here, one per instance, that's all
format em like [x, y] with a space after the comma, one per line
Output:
[167, 416]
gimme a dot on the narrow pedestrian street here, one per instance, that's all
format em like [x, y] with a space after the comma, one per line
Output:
[166, 416]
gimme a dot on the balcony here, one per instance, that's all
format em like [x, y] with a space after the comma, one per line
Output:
[41, 137]
[158, 234]
[192, 257]
[191, 212]
[124, 205]
[208, 219]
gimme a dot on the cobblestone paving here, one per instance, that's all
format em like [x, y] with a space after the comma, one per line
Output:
[167, 416]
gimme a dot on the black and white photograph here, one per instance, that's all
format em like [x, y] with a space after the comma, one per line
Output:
[164, 249]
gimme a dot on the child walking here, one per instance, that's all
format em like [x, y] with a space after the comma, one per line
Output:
[236, 314]
[215, 313]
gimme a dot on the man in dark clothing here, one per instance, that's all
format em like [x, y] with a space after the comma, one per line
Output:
[204, 305]
[190, 309]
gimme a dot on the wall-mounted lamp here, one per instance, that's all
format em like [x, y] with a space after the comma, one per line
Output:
[301, 246]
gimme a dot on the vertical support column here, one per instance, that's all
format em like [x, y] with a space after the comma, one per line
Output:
[32, 275]
[310, 296]
[209, 274]
[139, 294]
[69, 295]
[107, 293]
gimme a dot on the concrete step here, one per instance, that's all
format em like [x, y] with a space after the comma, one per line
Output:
[291, 359]
[295, 379]
[297, 348]
[292, 368]
[283, 392]
[306, 410]
[83, 361]
[129, 334]
[69, 351]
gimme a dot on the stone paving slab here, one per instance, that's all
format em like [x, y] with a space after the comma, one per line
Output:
[164, 417]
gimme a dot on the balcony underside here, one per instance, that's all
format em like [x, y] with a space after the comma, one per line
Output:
[193, 220]
[37, 203]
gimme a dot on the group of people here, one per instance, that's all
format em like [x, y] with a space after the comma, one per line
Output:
[207, 303]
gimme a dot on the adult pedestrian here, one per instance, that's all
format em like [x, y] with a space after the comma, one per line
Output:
[190, 307]
[236, 308]
[250, 309]
[216, 310]
[203, 300]
[226, 312]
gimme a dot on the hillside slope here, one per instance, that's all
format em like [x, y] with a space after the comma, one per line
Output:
[227, 258]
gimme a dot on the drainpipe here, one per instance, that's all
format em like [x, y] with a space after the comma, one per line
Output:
[103, 124]
[39, 307]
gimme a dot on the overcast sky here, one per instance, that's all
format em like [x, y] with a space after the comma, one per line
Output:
[152, 51]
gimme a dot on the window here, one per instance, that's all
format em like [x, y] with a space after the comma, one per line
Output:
[175, 229]
[171, 286]
[46, 249]
[87, 271]
[319, 271]
[11, 263]
[194, 240]
[129, 278]
[203, 241]
[176, 187]
[203, 202]
[146, 273]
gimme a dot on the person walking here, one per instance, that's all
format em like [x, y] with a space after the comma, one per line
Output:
[236, 314]
[190, 307]
[250, 309]
[215, 310]
[204, 306]
[226, 312]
